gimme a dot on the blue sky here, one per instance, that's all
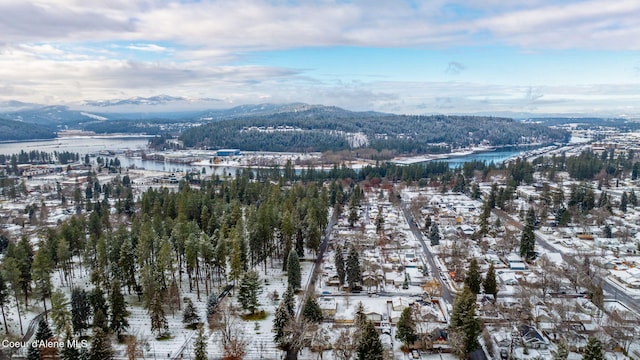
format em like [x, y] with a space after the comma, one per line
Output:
[437, 56]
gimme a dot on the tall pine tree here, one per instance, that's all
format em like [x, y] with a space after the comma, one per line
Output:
[465, 327]
[339, 263]
[370, 346]
[4, 299]
[190, 315]
[311, 310]
[354, 275]
[490, 284]
[101, 348]
[294, 277]
[80, 310]
[118, 322]
[200, 346]
[434, 234]
[528, 239]
[249, 290]
[283, 315]
[406, 328]
[473, 279]
[593, 350]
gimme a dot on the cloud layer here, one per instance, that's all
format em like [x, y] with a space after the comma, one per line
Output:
[71, 50]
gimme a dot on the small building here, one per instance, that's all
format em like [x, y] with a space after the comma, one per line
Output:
[228, 152]
[516, 262]
[508, 278]
[532, 337]
[328, 306]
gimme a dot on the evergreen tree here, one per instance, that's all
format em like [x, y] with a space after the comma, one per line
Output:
[119, 311]
[314, 236]
[60, 315]
[284, 313]
[33, 353]
[159, 324]
[11, 272]
[473, 279]
[101, 348]
[311, 310]
[294, 277]
[69, 352]
[100, 320]
[249, 290]
[624, 201]
[593, 350]
[190, 315]
[4, 299]
[287, 229]
[80, 310]
[127, 264]
[339, 262]
[353, 268]
[465, 327]
[484, 218]
[633, 199]
[434, 234]
[490, 284]
[43, 333]
[100, 309]
[607, 231]
[360, 318]
[563, 217]
[353, 211]
[212, 304]
[528, 239]
[24, 259]
[289, 301]
[563, 351]
[200, 345]
[236, 257]
[406, 328]
[475, 191]
[427, 222]
[41, 274]
[379, 221]
[370, 346]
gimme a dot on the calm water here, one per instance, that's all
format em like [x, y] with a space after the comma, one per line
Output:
[89, 145]
[488, 157]
[80, 144]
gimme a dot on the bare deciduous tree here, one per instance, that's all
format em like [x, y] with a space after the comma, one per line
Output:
[232, 334]
[345, 345]
[623, 327]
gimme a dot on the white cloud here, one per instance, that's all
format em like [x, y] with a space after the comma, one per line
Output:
[73, 49]
[147, 47]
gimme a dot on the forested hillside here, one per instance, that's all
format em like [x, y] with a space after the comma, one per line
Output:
[16, 130]
[320, 129]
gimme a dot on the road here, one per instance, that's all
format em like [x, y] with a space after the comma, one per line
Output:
[613, 290]
[311, 284]
[447, 295]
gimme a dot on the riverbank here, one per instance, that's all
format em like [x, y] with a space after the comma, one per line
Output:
[409, 160]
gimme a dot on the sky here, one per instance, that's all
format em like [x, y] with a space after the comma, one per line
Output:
[413, 57]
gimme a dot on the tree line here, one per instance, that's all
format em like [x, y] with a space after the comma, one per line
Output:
[318, 130]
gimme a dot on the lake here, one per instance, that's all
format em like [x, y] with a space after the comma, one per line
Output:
[77, 144]
[496, 157]
[95, 144]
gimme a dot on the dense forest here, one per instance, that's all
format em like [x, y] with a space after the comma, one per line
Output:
[318, 130]
[16, 130]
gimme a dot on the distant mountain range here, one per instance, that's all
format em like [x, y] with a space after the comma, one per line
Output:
[174, 114]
